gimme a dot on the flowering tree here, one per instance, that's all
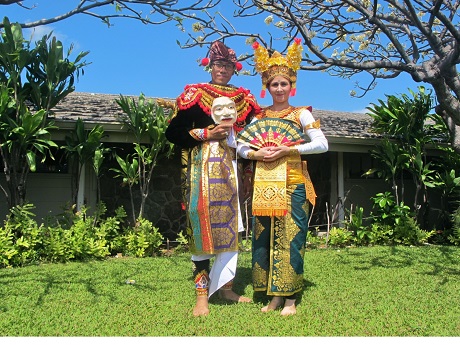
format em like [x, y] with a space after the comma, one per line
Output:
[380, 38]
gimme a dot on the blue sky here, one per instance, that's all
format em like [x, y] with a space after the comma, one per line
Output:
[130, 58]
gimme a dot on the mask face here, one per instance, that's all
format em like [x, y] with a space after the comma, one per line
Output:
[223, 110]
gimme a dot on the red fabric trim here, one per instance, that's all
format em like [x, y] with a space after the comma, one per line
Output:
[193, 94]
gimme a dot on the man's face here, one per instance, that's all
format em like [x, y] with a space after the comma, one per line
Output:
[221, 72]
[223, 110]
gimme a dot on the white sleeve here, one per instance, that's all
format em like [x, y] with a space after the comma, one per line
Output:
[318, 142]
[243, 149]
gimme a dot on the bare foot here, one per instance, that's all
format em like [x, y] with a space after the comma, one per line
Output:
[274, 303]
[289, 308]
[233, 296]
[201, 306]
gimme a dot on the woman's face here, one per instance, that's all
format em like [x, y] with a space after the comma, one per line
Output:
[280, 89]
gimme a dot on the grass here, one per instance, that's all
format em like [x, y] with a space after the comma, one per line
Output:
[369, 291]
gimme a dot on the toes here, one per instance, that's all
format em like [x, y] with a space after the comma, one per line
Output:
[244, 299]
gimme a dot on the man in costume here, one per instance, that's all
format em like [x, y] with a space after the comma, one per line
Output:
[279, 139]
[210, 183]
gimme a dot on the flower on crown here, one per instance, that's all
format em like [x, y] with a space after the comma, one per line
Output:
[276, 64]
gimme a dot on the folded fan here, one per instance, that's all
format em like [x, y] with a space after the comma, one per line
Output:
[271, 132]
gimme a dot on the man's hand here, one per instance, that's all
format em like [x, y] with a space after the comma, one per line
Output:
[219, 132]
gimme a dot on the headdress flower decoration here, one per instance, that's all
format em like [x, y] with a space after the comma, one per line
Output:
[219, 51]
[276, 64]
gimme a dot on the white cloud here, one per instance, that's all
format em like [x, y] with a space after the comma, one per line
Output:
[36, 33]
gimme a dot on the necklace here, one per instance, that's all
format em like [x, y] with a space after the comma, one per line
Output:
[278, 113]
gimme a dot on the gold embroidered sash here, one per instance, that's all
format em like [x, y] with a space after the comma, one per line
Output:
[270, 181]
[269, 197]
[311, 194]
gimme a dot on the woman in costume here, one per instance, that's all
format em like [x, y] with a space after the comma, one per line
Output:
[283, 191]
[210, 188]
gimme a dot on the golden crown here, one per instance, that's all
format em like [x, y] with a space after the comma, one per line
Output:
[276, 64]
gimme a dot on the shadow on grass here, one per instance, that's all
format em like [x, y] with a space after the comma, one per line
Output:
[261, 297]
[243, 279]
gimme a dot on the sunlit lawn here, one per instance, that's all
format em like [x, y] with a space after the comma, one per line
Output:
[375, 291]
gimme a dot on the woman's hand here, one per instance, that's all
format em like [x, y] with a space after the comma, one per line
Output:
[271, 153]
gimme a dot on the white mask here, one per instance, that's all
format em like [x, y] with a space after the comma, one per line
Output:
[224, 110]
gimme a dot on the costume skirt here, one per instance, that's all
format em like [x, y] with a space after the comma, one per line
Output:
[213, 205]
[278, 247]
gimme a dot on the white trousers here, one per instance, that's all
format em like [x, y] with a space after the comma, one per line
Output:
[222, 271]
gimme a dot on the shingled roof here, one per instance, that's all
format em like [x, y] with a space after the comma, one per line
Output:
[103, 109]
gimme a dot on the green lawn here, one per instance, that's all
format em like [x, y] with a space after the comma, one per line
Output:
[374, 291]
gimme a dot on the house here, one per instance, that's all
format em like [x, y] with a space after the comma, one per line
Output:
[337, 174]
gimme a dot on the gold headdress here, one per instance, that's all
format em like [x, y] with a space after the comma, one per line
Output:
[271, 66]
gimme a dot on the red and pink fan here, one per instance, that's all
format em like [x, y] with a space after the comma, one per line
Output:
[271, 132]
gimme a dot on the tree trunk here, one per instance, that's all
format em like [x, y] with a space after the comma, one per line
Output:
[448, 95]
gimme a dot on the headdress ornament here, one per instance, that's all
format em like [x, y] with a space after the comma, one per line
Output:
[219, 51]
[276, 64]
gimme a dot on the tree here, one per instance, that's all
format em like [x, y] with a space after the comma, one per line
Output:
[32, 81]
[83, 147]
[380, 38]
[146, 120]
[159, 11]
[409, 131]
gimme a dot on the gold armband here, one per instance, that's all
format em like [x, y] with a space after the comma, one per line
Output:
[316, 124]
[251, 155]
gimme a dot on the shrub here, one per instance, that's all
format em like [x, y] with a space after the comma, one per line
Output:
[455, 237]
[340, 237]
[73, 236]
[7, 247]
[143, 240]
[314, 241]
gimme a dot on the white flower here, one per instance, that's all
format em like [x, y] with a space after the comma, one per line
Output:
[197, 27]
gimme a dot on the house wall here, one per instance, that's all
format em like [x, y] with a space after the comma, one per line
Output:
[359, 191]
[49, 192]
[163, 206]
